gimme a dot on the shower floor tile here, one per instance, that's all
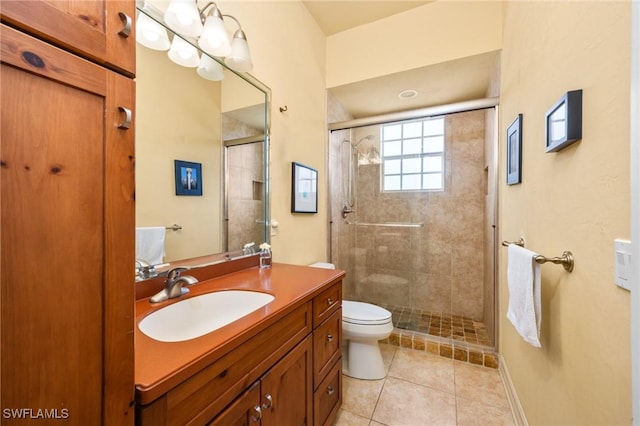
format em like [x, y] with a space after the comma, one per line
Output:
[439, 324]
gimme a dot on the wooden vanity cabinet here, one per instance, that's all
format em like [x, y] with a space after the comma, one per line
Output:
[327, 352]
[289, 373]
[284, 396]
[99, 30]
[67, 220]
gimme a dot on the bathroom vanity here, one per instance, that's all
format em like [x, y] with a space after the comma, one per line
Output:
[279, 365]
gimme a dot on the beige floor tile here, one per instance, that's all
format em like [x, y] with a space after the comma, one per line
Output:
[473, 413]
[388, 353]
[360, 396]
[403, 403]
[346, 418]
[423, 368]
[480, 384]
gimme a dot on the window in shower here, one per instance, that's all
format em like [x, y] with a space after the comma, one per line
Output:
[413, 155]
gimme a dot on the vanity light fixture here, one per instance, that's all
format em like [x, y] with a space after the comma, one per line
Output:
[182, 53]
[210, 69]
[240, 58]
[184, 17]
[151, 34]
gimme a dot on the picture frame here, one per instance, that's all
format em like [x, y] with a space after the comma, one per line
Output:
[304, 189]
[514, 151]
[563, 125]
[188, 176]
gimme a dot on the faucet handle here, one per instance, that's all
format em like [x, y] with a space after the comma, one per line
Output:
[175, 272]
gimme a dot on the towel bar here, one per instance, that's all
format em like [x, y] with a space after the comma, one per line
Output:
[174, 227]
[566, 260]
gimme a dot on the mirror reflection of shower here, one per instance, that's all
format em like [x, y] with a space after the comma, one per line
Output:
[350, 154]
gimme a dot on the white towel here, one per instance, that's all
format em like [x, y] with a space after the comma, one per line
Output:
[523, 279]
[150, 244]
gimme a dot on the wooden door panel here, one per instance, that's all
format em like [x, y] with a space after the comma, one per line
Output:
[87, 28]
[55, 110]
[289, 386]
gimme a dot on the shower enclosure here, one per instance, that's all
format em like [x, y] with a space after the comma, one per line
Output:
[412, 221]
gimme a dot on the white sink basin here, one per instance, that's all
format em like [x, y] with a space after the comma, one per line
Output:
[199, 315]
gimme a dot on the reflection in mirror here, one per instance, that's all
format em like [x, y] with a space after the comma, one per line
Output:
[222, 126]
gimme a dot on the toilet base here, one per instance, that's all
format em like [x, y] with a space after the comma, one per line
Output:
[363, 360]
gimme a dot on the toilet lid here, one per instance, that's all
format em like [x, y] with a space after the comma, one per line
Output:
[364, 313]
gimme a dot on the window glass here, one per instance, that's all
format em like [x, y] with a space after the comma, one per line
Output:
[413, 155]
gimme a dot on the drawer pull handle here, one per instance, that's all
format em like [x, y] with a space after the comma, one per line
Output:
[126, 124]
[330, 301]
[330, 390]
[329, 337]
[257, 414]
[126, 30]
[269, 404]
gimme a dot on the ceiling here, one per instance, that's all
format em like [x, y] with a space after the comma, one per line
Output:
[455, 81]
[334, 16]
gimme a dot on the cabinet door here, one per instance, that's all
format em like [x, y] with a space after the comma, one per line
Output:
[327, 346]
[244, 411]
[95, 29]
[66, 236]
[287, 389]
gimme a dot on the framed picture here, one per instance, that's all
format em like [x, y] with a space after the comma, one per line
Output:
[304, 189]
[564, 121]
[514, 151]
[188, 178]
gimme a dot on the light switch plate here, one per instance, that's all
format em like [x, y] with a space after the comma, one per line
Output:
[622, 262]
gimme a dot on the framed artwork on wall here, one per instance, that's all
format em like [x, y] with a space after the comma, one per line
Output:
[514, 151]
[304, 189]
[563, 124]
[188, 178]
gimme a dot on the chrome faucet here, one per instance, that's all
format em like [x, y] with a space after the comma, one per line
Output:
[145, 270]
[173, 285]
[249, 248]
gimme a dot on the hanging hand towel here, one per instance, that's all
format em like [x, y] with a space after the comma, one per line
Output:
[523, 279]
[150, 244]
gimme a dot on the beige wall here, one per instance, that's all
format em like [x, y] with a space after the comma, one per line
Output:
[434, 33]
[171, 126]
[288, 51]
[576, 199]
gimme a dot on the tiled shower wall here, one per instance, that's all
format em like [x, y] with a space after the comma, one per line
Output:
[438, 267]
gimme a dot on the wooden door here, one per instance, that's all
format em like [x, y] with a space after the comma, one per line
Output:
[244, 411]
[94, 29]
[66, 234]
[287, 389]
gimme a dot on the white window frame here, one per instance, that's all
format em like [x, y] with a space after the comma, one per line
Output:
[422, 155]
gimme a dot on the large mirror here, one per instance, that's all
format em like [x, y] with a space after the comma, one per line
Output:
[201, 155]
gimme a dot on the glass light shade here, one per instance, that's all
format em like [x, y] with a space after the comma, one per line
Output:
[182, 53]
[151, 34]
[239, 59]
[210, 69]
[214, 39]
[183, 17]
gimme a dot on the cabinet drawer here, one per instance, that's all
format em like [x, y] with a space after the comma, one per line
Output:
[326, 303]
[328, 398]
[327, 346]
[204, 395]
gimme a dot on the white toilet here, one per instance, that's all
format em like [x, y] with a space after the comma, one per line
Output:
[363, 324]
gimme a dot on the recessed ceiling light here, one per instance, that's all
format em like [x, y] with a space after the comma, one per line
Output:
[407, 94]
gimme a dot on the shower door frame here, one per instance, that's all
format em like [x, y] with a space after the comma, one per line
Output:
[485, 103]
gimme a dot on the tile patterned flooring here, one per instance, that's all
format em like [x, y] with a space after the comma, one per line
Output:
[423, 389]
[449, 326]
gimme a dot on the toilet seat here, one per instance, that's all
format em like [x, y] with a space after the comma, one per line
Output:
[364, 313]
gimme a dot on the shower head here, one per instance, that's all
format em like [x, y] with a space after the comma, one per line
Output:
[370, 137]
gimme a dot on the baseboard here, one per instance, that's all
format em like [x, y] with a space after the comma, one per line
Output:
[512, 396]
